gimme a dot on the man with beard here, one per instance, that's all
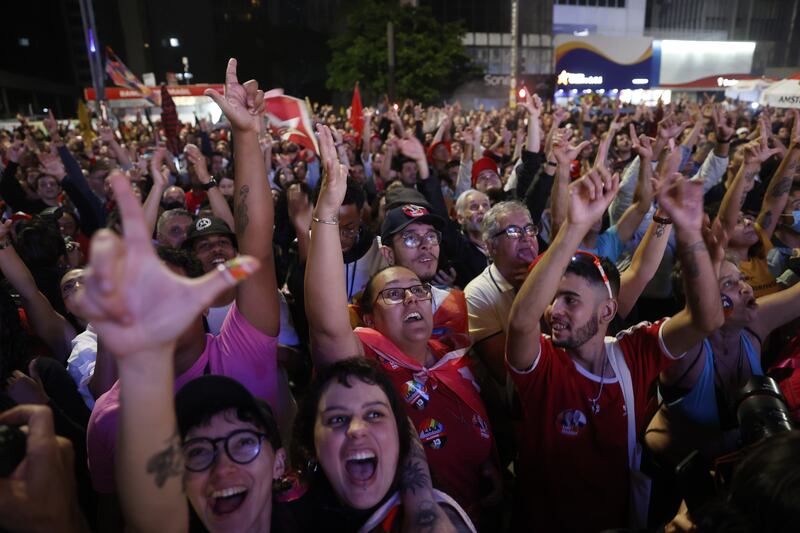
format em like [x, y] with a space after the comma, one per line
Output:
[582, 394]
[471, 207]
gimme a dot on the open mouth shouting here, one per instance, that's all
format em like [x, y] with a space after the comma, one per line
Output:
[413, 316]
[227, 500]
[361, 466]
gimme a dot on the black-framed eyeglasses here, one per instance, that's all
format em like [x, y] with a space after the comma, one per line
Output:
[397, 295]
[514, 232]
[242, 446]
[414, 240]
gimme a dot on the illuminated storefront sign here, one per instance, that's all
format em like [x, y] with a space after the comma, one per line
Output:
[578, 78]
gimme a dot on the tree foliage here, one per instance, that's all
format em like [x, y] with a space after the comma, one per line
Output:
[430, 60]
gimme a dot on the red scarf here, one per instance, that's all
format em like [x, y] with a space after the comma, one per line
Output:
[451, 370]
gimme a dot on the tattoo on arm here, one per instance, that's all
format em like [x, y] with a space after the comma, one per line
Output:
[168, 462]
[783, 186]
[767, 219]
[425, 516]
[689, 261]
[660, 230]
[242, 218]
[414, 477]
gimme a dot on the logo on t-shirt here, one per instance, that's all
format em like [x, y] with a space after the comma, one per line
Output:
[387, 363]
[416, 394]
[570, 422]
[481, 425]
[432, 434]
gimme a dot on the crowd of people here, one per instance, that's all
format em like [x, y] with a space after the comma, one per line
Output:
[517, 319]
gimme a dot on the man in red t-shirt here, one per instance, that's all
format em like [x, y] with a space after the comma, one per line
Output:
[577, 387]
[434, 383]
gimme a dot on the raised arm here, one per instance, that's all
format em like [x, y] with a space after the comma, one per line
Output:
[778, 191]
[755, 153]
[644, 264]
[109, 137]
[153, 200]
[257, 298]
[139, 307]
[49, 325]
[219, 206]
[332, 338]
[588, 198]
[682, 200]
[533, 105]
[564, 154]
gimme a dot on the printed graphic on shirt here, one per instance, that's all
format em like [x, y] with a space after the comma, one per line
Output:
[481, 425]
[416, 394]
[570, 422]
[432, 434]
[387, 363]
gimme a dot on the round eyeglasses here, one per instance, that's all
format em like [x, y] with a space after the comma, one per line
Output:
[414, 240]
[242, 446]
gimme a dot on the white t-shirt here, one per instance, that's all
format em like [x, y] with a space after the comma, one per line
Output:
[80, 364]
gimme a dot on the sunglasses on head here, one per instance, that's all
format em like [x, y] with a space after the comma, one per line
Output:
[588, 257]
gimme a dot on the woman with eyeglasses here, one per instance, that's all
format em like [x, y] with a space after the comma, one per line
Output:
[437, 388]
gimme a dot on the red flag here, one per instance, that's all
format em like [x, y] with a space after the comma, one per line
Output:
[289, 118]
[357, 113]
[169, 120]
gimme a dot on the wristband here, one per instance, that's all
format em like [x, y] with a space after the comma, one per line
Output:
[662, 220]
[210, 185]
[332, 222]
[5, 243]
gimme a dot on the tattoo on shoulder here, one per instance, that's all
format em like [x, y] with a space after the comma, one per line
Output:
[242, 218]
[168, 462]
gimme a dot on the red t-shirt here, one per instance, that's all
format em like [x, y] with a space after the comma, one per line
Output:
[457, 440]
[194, 200]
[572, 470]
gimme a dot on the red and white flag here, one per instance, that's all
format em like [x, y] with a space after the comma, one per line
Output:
[289, 118]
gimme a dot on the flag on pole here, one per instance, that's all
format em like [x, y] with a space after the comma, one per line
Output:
[123, 77]
[288, 118]
[357, 113]
[169, 120]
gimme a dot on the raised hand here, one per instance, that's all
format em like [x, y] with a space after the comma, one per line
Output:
[411, 147]
[44, 475]
[334, 176]
[716, 239]
[670, 128]
[300, 208]
[52, 165]
[157, 167]
[641, 145]
[682, 200]
[242, 104]
[758, 151]
[16, 150]
[197, 159]
[106, 134]
[590, 196]
[720, 117]
[134, 301]
[51, 125]
[559, 116]
[533, 105]
[564, 152]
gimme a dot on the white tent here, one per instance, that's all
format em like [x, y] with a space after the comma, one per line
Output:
[785, 93]
[747, 90]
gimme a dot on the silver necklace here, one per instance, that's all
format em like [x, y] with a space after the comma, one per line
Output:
[594, 401]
